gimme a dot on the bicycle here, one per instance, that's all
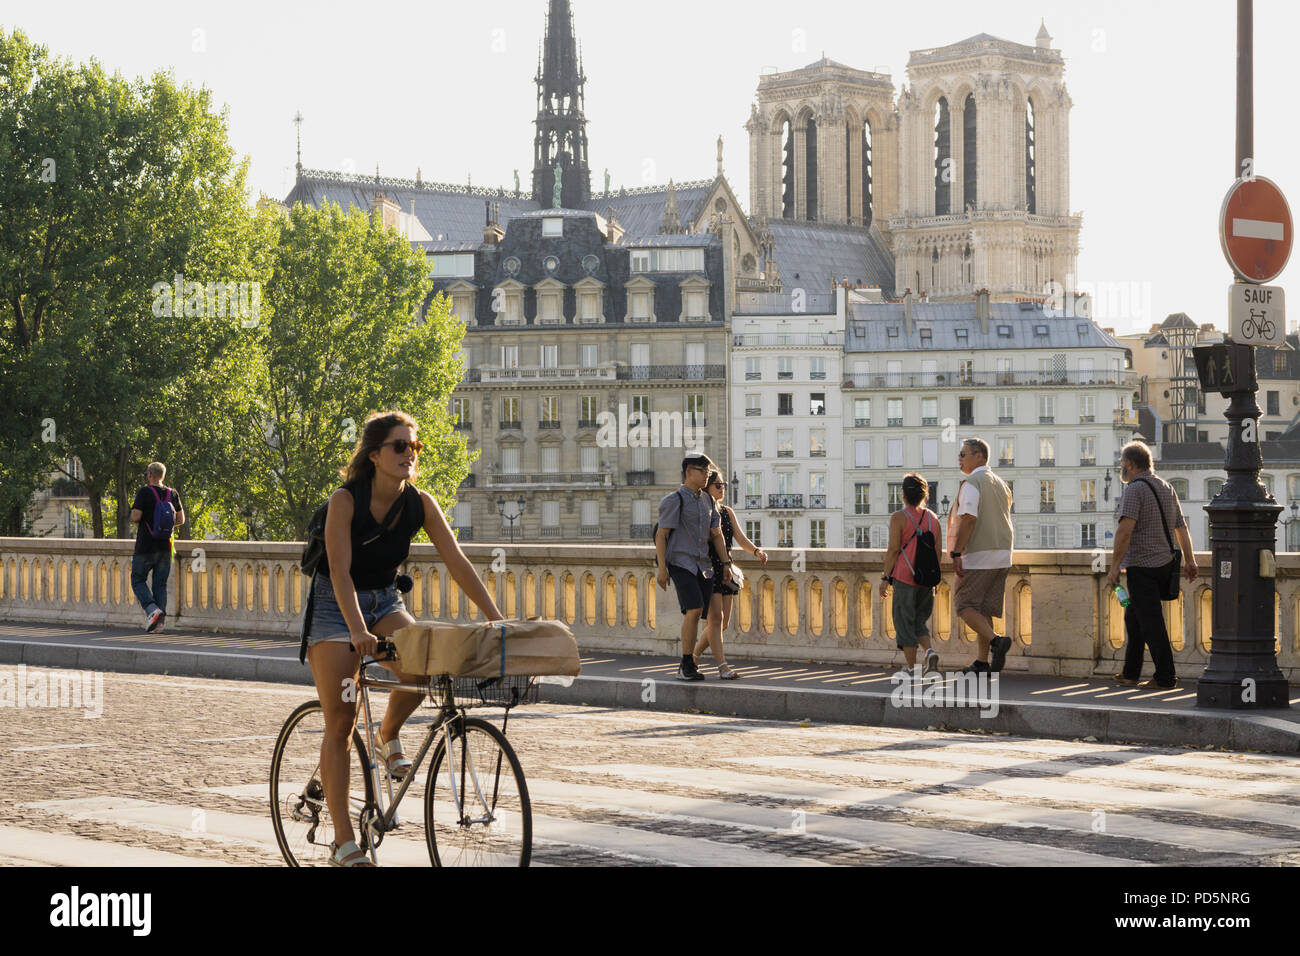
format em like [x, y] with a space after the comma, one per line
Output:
[474, 813]
[1257, 323]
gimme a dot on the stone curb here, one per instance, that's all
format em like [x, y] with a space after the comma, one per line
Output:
[1235, 731]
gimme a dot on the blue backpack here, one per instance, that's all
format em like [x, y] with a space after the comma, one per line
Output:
[164, 515]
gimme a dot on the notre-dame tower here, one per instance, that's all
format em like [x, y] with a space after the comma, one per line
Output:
[561, 122]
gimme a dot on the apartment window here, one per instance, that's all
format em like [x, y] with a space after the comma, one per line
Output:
[1006, 451]
[966, 370]
[895, 496]
[817, 369]
[510, 410]
[1004, 331]
[588, 355]
[1004, 376]
[1088, 536]
[817, 442]
[929, 411]
[753, 489]
[963, 335]
[550, 410]
[589, 409]
[929, 372]
[785, 368]
[591, 516]
[695, 410]
[817, 403]
[966, 411]
[861, 537]
[929, 452]
[1046, 409]
[1279, 362]
[785, 443]
[817, 533]
[509, 461]
[1087, 450]
[753, 405]
[509, 356]
[785, 403]
[894, 413]
[1047, 496]
[550, 356]
[1265, 480]
[861, 412]
[927, 336]
[895, 453]
[785, 532]
[553, 226]
[862, 453]
[640, 305]
[1006, 409]
[590, 459]
[1292, 487]
[860, 373]
[1085, 364]
[640, 410]
[640, 260]
[785, 482]
[754, 531]
[1088, 494]
[1274, 403]
[862, 498]
[1180, 487]
[452, 266]
[1087, 408]
[753, 370]
[590, 303]
[1047, 536]
[461, 516]
[1215, 485]
[894, 373]
[550, 460]
[639, 360]
[640, 459]
[641, 513]
[753, 444]
[460, 410]
[1047, 451]
[550, 514]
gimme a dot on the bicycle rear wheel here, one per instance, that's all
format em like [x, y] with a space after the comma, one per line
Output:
[302, 822]
[476, 807]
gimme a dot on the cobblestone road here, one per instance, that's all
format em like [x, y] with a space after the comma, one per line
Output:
[174, 772]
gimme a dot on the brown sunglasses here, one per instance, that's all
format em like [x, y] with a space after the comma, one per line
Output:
[401, 444]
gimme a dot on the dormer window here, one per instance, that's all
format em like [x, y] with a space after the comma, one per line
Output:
[927, 336]
[1004, 331]
[1040, 330]
[963, 335]
[553, 226]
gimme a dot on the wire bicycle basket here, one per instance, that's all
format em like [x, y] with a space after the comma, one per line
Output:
[465, 692]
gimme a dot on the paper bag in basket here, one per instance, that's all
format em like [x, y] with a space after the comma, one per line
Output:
[509, 648]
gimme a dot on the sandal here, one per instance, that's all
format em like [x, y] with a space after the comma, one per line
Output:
[391, 753]
[349, 854]
[727, 672]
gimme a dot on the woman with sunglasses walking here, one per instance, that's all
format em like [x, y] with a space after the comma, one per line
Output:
[719, 612]
[368, 530]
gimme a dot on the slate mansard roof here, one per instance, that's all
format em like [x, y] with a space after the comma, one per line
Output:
[810, 255]
[869, 325]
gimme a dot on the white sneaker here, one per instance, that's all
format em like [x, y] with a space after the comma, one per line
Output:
[932, 663]
[152, 621]
[907, 673]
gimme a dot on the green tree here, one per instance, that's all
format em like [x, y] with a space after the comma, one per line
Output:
[109, 188]
[345, 338]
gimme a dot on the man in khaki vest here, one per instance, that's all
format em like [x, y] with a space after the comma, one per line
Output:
[979, 527]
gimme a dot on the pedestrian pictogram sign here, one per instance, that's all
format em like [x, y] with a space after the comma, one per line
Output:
[1255, 229]
[1225, 368]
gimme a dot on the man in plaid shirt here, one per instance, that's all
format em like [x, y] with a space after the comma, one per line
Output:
[1142, 549]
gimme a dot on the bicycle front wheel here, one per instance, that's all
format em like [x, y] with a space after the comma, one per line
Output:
[476, 808]
[303, 826]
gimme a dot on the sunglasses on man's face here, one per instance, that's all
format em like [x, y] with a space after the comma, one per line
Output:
[401, 444]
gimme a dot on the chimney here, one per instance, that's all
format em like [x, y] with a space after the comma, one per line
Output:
[492, 231]
[385, 213]
[982, 310]
[907, 312]
[614, 233]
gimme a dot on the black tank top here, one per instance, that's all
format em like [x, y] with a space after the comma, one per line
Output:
[378, 552]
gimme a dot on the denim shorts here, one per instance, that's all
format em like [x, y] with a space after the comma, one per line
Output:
[327, 623]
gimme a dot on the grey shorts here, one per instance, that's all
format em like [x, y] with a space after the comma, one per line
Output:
[982, 590]
[327, 623]
[912, 607]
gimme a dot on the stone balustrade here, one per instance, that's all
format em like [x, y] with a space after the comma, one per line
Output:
[819, 604]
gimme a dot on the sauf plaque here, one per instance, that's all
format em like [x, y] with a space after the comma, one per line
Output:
[1257, 313]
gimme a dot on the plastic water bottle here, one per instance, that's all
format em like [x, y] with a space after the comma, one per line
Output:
[1122, 595]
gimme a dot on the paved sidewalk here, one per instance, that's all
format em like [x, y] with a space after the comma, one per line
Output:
[1070, 708]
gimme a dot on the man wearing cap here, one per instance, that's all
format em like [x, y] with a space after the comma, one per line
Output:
[691, 516]
[979, 527]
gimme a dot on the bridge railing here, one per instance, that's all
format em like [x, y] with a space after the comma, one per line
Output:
[817, 604]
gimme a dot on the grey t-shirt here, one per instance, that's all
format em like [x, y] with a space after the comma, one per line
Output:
[690, 515]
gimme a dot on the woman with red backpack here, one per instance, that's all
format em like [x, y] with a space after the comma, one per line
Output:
[912, 567]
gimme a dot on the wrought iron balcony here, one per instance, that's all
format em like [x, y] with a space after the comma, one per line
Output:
[753, 376]
[67, 488]
[587, 423]
[1047, 463]
[1087, 419]
[817, 376]
[529, 376]
[1124, 378]
[1047, 507]
[1006, 463]
[753, 501]
[517, 426]
[816, 501]
[785, 501]
[894, 422]
[644, 477]
[548, 424]
[1087, 462]
[464, 426]
[1006, 419]
[785, 453]
[930, 421]
[640, 530]
[753, 454]
[753, 412]
[785, 376]
[468, 482]
[598, 479]
[817, 453]
[862, 423]
[1047, 419]
[671, 373]
[464, 534]
[1088, 506]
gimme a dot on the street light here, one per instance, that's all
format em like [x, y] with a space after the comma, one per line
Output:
[735, 489]
[944, 505]
[1286, 527]
[501, 510]
[1106, 489]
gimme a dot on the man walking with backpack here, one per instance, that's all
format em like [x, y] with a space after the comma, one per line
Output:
[689, 525]
[158, 512]
[912, 567]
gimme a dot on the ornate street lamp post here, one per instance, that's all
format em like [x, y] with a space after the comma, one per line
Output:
[501, 510]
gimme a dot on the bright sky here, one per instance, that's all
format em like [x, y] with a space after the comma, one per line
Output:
[447, 87]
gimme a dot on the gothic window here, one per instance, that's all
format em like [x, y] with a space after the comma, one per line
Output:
[968, 155]
[1031, 198]
[787, 176]
[866, 174]
[810, 175]
[942, 159]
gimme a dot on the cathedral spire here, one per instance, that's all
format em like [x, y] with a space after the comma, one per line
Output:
[561, 123]
[672, 221]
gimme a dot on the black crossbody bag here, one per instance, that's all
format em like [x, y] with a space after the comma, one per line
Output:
[1170, 587]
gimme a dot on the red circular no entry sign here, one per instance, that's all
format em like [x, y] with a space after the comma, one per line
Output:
[1255, 229]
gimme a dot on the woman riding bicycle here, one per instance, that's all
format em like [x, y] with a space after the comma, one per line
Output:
[356, 603]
